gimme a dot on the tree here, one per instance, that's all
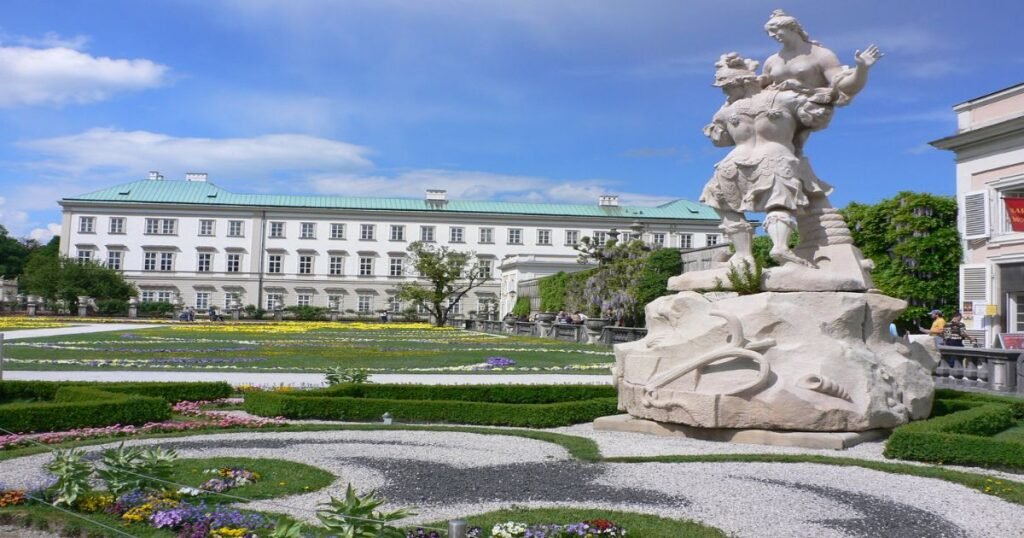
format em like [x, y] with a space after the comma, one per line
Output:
[13, 254]
[913, 240]
[55, 278]
[449, 275]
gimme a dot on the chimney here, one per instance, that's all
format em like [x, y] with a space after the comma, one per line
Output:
[608, 200]
[437, 197]
[155, 176]
[196, 176]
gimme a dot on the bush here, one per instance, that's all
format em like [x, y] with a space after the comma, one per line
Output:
[307, 313]
[155, 309]
[112, 307]
[552, 292]
[961, 431]
[80, 407]
[514, 405]
[522, 307]
[172, 392]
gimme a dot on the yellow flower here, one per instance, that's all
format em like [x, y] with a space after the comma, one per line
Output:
[228, 532]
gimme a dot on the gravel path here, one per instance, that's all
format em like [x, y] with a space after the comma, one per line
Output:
[84, 328]
[453, 474]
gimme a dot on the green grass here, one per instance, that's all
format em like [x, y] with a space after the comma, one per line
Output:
[1015, 434]
[278, 478]
[639, 525]
[313, 350]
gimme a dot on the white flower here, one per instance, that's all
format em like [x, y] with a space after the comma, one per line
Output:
[192, 492]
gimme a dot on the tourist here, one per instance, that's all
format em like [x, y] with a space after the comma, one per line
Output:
[383, 316]
[937, 328]
[955, 332]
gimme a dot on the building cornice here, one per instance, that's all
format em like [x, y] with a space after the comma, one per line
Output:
[983, 135]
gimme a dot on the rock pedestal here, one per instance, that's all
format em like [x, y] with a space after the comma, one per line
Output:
[802, 361]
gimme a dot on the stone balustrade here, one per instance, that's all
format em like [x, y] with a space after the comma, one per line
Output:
[566, 332]
[982, 369]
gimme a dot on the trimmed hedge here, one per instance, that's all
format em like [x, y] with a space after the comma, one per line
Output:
[172, 392]
[81, 407]
[534, 406]
[961, 433]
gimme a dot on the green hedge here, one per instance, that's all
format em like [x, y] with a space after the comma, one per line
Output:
[172, 392]
[961, 432]
[515, 405]
[81, 407]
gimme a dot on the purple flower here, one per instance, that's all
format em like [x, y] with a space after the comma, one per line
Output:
[500, 362]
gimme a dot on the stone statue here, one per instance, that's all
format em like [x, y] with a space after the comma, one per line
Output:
[817, 358]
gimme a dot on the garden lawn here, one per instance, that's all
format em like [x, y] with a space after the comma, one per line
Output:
[304, 347]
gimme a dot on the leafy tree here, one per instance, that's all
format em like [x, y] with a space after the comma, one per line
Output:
[449, 275]
[611, 290]
[913, 240]
[661, 264]
[13, 254]
[56, 278]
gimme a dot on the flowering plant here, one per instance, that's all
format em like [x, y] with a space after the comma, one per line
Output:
[12, 497]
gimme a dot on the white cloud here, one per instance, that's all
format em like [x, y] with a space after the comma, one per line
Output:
[51, 40]
[44, 234]
[474, 185]
[136, 152]
[60, 75]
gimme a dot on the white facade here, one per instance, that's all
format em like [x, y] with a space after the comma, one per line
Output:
[265, 251]
[989, 148]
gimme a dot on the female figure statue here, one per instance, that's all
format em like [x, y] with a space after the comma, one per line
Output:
[806, 67]
[763, 171]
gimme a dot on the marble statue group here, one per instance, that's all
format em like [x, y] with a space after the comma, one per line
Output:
[812, 352]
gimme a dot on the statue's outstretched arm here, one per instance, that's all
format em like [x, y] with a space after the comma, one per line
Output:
[850, 81]
[718, 134]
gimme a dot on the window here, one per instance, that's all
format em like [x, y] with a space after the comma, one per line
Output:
[600, 238]
[486, 267]
[161, 226]
[202, 300]
[456, 234]
[163, 296]
[335, 301]
[234, 263]
[277, 230]
[658, 239]
[274, 263]
[422, 308]
[307, 230]
[685, 240]
[397, 267]
[166, 261]
[114, 259]
[367, 232]
[427, 234]
[486, 235]
[543, 237]
[86, 225]
[148, 296]
[337, 230]
[116, 225]
[515, 236]
[231, 297]
[205, 261]
[365, 304]
[235, 228]
[336, 266]
[273, 299]
[712, 239]
[84, 255]
[366, 266]
[206, 227]
[149, 261]
[395, 305]
[303, 299]
[456, 306]
[572, 237]
[305, 265]
[397, 232]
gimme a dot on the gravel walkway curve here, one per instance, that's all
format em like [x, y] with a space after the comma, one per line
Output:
[448, 474]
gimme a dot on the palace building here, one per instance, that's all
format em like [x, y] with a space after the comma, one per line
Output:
[205, 246]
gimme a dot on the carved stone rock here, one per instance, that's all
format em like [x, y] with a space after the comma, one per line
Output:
[801, 361]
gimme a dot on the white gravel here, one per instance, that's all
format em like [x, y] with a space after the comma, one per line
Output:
[743, 499]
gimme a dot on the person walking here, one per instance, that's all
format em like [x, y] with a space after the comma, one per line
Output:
[955, 332]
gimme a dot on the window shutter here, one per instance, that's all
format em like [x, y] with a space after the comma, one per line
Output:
[974, 282]
[976, 218]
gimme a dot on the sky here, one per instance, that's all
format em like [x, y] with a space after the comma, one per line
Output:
[521, 100]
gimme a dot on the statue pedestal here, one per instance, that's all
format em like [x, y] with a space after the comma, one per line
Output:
[818, 440]
[802, 361]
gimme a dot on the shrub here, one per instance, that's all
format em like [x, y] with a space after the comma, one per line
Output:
[254, 312]
[172, 392]
[961, 432]
[155, 309]
[516, 405]
[308, 313]
[72, 472]
[552, 292]
[522, 307]
[112, 307]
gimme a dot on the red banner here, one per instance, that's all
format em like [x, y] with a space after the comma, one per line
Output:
[1015, 210]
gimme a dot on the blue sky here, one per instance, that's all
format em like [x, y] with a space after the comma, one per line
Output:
[544, 100]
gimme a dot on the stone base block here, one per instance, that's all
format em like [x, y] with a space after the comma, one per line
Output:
[820, 440]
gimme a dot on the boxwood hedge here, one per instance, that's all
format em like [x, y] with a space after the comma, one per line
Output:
[961, 432]
[32, 406]
[536, 406]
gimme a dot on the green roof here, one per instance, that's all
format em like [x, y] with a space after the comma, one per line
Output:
[207, 194]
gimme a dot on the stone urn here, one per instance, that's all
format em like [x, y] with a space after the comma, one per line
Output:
[546, 317]
[545, 321]
[594, 326]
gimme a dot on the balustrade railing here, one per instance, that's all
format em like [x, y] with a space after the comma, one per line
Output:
[985, 369]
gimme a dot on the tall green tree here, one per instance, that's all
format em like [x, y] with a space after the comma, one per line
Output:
[13, 254]
[55, 278]
[445, 277]
[913, 240]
